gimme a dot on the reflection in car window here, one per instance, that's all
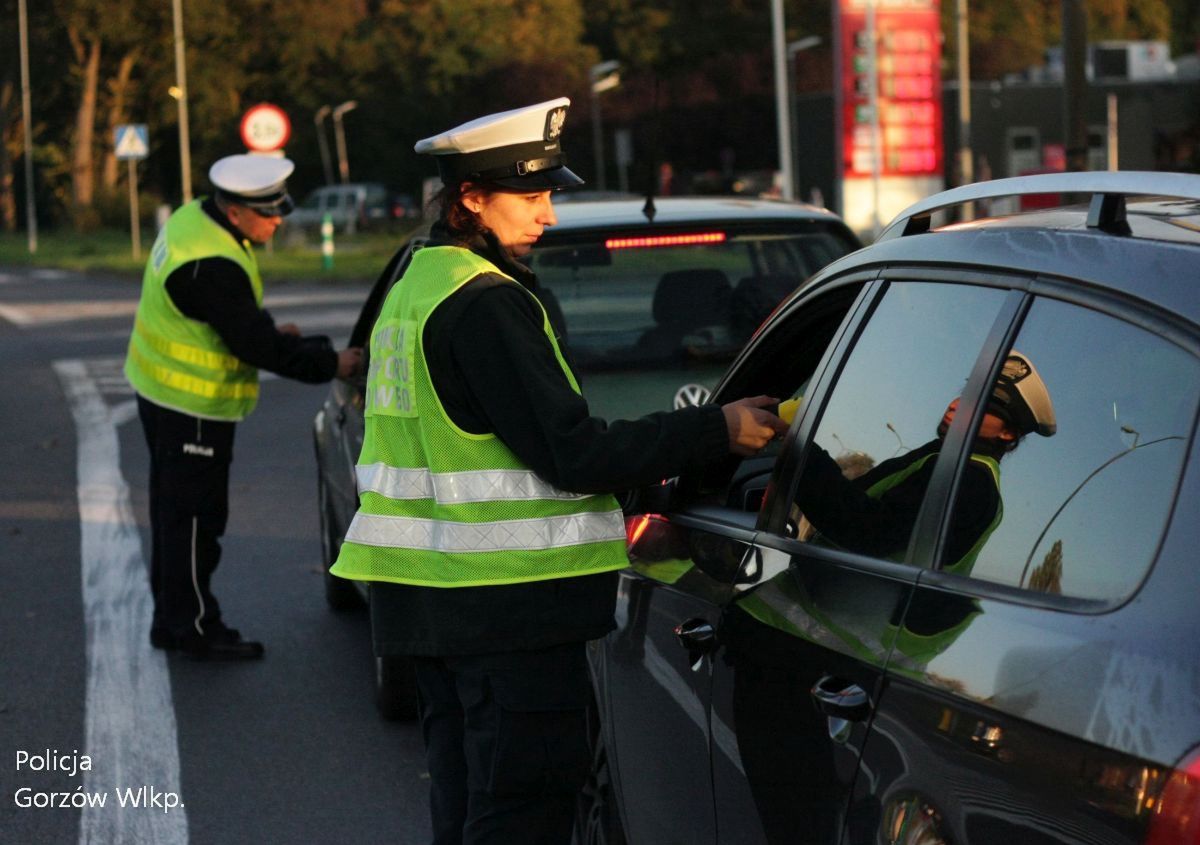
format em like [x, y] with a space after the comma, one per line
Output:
[1083, 509]
[874, 450]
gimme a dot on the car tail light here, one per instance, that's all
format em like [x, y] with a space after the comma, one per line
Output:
[635, 526]
[1176, 819]
[665, 240]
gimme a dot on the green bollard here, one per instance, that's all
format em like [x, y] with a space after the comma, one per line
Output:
[327, 242]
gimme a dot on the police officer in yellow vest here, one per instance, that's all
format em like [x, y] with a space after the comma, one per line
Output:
[199, 339]
[485, 520]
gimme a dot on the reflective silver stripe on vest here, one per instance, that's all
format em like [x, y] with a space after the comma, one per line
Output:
[453, 488]
[554, 532]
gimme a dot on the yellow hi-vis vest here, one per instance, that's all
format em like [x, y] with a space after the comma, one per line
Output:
[439, 506]
[173, 360]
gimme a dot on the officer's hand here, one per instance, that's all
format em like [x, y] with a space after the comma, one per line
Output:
[349, 361]
[751, 426]
[289, 328]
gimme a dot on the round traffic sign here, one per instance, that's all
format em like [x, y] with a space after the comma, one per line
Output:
[265, 128]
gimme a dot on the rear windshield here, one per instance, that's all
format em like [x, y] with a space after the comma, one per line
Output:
[649, 302]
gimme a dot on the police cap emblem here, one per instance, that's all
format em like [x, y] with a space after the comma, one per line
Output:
[554, 123]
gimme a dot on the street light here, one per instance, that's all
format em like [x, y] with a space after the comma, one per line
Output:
[319, 120]
[782, 122]
[605, 76]
[185, 155]
[339, 137]
[30, 201]
[794, 47]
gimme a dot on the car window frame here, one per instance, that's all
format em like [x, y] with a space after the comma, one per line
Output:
[689, 489]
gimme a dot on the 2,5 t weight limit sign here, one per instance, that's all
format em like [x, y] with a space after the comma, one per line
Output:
[265, 128]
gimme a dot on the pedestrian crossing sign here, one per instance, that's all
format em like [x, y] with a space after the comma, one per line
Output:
[132, 141]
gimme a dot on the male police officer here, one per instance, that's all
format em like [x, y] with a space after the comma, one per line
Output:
[483, 566]
[199, 339]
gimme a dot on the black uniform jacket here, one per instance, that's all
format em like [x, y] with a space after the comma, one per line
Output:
[495, 371]
[217, 291]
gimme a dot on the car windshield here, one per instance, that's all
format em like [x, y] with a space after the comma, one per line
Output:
[649, 302]
[652, 320]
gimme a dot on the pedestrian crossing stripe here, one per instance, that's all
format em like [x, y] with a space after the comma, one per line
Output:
[132, 141]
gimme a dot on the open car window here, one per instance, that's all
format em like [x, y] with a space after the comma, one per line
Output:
[783, 363]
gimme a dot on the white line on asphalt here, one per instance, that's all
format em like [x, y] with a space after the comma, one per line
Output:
[130, 717]
[67, 311]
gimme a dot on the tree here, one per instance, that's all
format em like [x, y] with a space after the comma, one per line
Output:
[1008, 36]
[1047, 576]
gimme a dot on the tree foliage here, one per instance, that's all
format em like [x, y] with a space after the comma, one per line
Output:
[418, 66]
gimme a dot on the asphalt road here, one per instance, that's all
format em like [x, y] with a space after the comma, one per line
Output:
[284, 750]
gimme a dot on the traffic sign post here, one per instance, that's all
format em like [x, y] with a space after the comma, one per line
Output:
[132, 143]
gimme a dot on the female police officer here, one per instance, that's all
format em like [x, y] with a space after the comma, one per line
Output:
[488, 570]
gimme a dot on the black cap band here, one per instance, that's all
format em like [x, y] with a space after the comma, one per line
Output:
[278, 204]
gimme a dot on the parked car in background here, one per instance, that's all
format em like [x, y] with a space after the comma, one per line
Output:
[654, 310]
[957, 602]
[351, 207]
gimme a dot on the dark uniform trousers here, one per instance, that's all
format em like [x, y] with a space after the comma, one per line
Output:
[506, 741]
[189, 505]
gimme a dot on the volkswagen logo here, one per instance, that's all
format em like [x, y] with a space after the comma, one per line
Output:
[691, 394]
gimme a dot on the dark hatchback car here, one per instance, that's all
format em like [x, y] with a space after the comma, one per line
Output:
[655, 306]
[939, 641]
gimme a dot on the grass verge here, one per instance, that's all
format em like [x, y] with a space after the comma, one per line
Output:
[290, 258]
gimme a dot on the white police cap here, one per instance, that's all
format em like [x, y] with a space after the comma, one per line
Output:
[518, 149]
[1021, 396]
[255, 181]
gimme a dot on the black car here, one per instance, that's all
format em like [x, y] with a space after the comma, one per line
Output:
[656, 303]
[954, 636]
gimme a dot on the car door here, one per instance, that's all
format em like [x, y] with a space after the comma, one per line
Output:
[658, 672]
[657, 666]
[804, 643]
[1029, 699]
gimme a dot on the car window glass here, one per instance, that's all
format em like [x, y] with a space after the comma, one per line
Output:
[675, 314]
[312, 201]
[873, 454]
[1098, 426]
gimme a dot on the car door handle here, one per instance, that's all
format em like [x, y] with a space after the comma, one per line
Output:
[699, 637]
[841, 699]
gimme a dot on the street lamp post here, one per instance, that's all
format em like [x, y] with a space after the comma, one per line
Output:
[323, 143]
[782, 120]
[339, 137]
[605, 76]
[26, 117]
[966, 167]
[793, 48]
[185, 155]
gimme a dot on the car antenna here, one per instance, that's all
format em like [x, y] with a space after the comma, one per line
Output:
[652, 180]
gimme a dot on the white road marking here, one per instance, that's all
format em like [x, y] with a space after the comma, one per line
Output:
[130, 732]
[69, 311]
[66, 311]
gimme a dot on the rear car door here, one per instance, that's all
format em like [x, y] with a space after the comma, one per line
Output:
[1041, 690]
[805, 640]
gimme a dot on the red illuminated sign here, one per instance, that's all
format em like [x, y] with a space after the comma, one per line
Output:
[909, 88]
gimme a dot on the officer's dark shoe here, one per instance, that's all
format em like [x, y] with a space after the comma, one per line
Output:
[221, 644]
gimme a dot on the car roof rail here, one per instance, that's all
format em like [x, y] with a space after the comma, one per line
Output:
[1108, 188]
